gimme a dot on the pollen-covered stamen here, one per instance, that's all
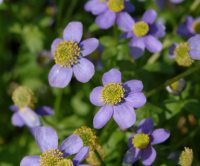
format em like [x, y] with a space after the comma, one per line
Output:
[67, 53]
[141, 141]
[196, 26]
[140, 28]
[65, 162]
[51, 157]
[23, 97]
[112, 93]
[182, 56]
[116, 5]
[88, 136]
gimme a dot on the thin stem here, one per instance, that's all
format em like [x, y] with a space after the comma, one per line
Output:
[58, 101]
[174, 79]
[99, 157]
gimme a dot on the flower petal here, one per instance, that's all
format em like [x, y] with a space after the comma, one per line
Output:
[102, 116]
[81, 155]
[148, 156]
[149, 16]
[137, 46]
[152, 44]
[124, 116]
[83, 70]
[30, 118]
[131, 155]
[136, 100]
[59, 76]
[129, 7]
[54, 45]
[30, 161]
[14, 108]
[106, 19]
[17, 120]
[95, 96]
[88, 46]
[46, 138]
[95, 7]
[159, 136]
[146, 126]
[125, 21]
[112, 76]
[71, 145]
[157, 29]
[73, 31]
[44, 111]
[133, 86]
[194, 47]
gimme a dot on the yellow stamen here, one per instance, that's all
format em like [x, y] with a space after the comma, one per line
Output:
[140, 28]
[182, 56]
[116, 5]
[112, 93]
[51, 157]
[23, 97]
[141, 141]
[67, 53]
[196, 26]
[88, 136]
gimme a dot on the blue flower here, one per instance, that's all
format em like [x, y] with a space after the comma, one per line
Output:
[143, 33]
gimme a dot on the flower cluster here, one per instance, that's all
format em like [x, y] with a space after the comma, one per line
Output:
[117, 99]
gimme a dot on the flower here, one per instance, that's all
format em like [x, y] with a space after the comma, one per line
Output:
[185, 53]
[190, 27]
[47, 140]
[24, 101]
[143, 33]
[117, 99]
[69, 55]
[140, 144]
[177, 87]
[90, 139]
[107, 11]
[186, 157]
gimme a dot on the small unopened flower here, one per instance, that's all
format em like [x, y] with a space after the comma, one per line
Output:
[88, 136]
[69, 55]
[54, 155]
[143, 33]
[177, 87]
[24, 103]
[108, 11]
[185, 53]
[186, 157]
[90, 140]
[117, 100]
[141, 143]
[190, 27]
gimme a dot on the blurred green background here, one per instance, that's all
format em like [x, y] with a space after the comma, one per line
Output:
[27, 28]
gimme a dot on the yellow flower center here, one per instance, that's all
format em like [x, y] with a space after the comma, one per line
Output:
[65, 162]
[112, 93]
[196, 26]
[67, 53]
[116, 5]
[88, 136]
[182, 56]
[140, 28]
[141, 141]
[51, 158]
[23, 97]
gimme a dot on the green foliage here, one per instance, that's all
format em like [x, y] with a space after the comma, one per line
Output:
[28, 27]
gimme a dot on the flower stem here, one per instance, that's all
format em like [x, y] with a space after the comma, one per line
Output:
[99, 157]
[174, 79]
